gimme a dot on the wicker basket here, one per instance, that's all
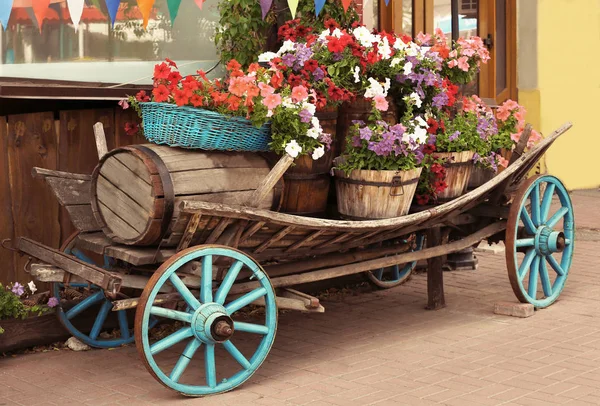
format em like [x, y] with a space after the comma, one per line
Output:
[190, 127]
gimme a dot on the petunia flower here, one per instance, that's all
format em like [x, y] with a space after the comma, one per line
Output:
[52, 302]
[318, 153]
[293, 148]
[32, 287]
[18, 289]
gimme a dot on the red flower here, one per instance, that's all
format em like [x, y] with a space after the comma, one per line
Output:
[422, 199]
[233, 65]
[161, 71]
[131, 128]
[276, 80]
[334, 44]
[405, 38]
[311, 65]
[196, 100]
[437, 168]
[373, 57]
[440, 186]
[254, 67]
[161, 94]
[181, 98]
[429, 149]
[433, 125]
[202, 74]
[142, 96]
[171, 62]
[335, 93]
[174, 78]
[233, 103]
[331, 24]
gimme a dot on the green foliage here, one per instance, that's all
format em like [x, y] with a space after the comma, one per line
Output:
[332, 9]
[11, 307]
[468, 139]
[242, 33]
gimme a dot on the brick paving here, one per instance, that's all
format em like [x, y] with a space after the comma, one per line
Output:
[380, 348]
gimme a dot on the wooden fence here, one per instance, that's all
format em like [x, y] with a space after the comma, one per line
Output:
[62, 141]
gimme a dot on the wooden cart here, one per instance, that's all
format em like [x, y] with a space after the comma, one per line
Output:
[214, 274]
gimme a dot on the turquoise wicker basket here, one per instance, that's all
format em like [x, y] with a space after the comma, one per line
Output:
[190, 127]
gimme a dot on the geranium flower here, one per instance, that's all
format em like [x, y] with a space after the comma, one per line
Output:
[161, 94]
[52, 302]
[293, 148]
[299, 94]
[318, 153]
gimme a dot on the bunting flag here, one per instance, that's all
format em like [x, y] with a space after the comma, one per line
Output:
[40, 8]
[113, 7]
[265, 6]
[319, 6]
[346, 4]
[173, 6]
[387, 2]
[293, 4]
[5, 8]
[199, 3]
[75, 10]
[145, 7]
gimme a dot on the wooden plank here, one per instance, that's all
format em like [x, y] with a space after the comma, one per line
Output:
[139, 256]
[282, 233]
[70, 191]
[83, 218]
[134, 187]
[117, 224]
[251, 231]
[135, 165]
[338, 239]
[106, 280]
[8, 273]
[305, 241]
[42, 173]
[95, 242]
[32, 142]
[129, 211]
[268, 183]
[217, 231]
[190, 230]
[100, 140]
[435, 273]
[220, 180]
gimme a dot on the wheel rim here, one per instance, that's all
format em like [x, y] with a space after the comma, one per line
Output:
[540, 241]
[397, 274]
[208, 322]
[95, 298]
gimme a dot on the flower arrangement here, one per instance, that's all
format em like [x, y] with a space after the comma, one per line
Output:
[510, 117]
[15, 302]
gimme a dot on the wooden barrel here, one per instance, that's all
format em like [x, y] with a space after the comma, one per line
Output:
[307, 181]
[137, 190]
[458, 172]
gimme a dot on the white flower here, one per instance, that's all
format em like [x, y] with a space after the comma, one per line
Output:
[266, 56]
[287, 46]
[32, 287]
[315, 123]
[313, 133]
[395, 62]
[414, 97]
[408, 68]
[293, 149]
[288, 103]
[310, 107]
[318, 153]
[336, 33]
[376, 89]
[363, 36]
[356, 74]
[399, 44]
[270, 113]
[386, 85]
[420, 135]
[412, 49]
[422, 123]
[383, 49]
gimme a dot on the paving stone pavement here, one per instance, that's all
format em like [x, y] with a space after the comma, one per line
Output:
[376, 348]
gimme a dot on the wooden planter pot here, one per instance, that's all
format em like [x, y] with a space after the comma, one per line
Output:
[458, 172]
[42, 330]
[368, 194]
[479, 175]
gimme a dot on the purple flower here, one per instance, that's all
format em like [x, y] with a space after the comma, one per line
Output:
[17, 289]
[359, 122]
[476, 157]
[356, 141]
[318, 74]
[305, 116]
[454, 136]
[52, 302]
[365, 133]
[431, 140]
[288, 60]
[337, 56]
[326, 139]
[440, 100]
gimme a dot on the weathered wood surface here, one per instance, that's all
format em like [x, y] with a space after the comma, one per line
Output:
[458, 171]
[100, 140]
[7, 258]
[435, 273]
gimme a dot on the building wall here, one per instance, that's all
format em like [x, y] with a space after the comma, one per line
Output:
[558, 68]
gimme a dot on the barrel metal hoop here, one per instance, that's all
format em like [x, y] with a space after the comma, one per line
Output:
[167, 183]
[396, 182]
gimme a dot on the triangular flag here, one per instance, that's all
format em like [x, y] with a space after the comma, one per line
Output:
[40, 8]
[145, 7]
[112, 7]
[75, 10]
[265, 6]
[293, 4]
[346, 4]
[387, 2]
[319, 6]
[5, 8]
[173, 9]
[199, 3]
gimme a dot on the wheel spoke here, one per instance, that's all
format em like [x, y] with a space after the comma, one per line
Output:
[396, 273]
[207, 274]
[84, 304]
[210, 365]
[250, 328]
[171, 340]
[525, 242]
[171, 314]
[228, 281]
[557, 217]
[189, 298]
[533, 278]
[529, 227]
[555, 265]
[547, 201]
[545, 278]
[123, 324]
[184, 359]
[535, 205]
[100, 319]
[245, 300]
[526, 263]
[379, 274]
[236, 354]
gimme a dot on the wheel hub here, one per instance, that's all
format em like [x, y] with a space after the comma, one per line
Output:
[548, 241]
[212, 324]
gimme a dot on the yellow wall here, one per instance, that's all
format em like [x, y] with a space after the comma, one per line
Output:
[568, 82]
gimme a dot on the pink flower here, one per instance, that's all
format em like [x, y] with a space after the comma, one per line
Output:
[502, 161]
[467, 52]
[124, 103]
[299, 93]
[381, 103]
[463, 63]
[516, 136]
[453, 54]
[52, 302]
[265, 89]
[452, 63]
[272, 100]
[502, 113]
[423, 38]
[534, 138]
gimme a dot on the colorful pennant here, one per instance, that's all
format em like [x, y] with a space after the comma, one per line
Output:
[40, 8]
[199, 3]
[5, 8]
[113, 8]
[75, 10]
[293, 4]
[346, 4]
[173, 6]
[145, 7]
[265, 6]
[319, 6]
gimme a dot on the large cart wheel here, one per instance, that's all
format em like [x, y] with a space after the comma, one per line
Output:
[89, 300]
[208, 324]
[539, 239]
[392, 276]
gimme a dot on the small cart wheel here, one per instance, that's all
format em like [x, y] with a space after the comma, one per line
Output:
[539, 238]
[396, 275]
[90, 300]
[209, 323]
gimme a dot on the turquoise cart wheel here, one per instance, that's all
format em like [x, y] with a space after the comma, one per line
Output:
[88, 301]
[540, 239]
[392, 276]
[210, 326]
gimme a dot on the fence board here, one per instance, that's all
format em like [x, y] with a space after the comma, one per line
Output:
[7, 267]
[121, 118]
